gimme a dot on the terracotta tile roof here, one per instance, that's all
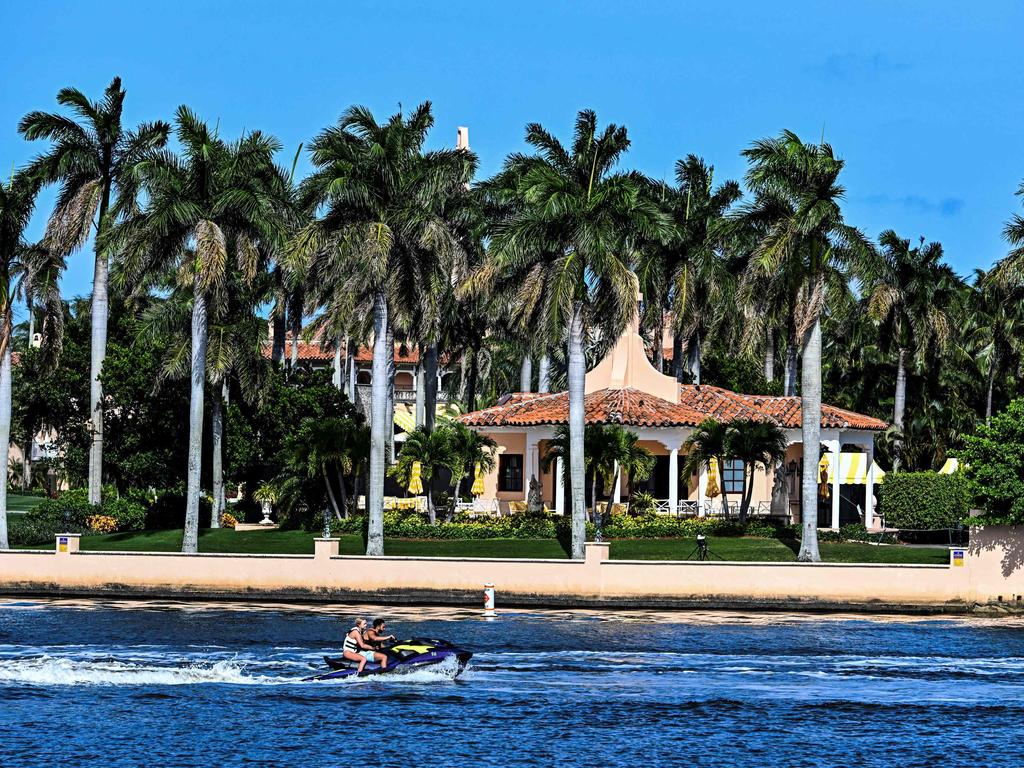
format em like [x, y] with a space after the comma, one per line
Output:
[725, 405]
[606, 406]
[314, 351]
[635, 408]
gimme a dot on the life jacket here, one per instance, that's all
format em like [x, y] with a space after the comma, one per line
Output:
[350, 644]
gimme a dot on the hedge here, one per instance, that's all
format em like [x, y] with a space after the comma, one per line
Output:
[924, 500]
[413, 526]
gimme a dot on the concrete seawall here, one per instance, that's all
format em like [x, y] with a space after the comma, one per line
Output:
[990, 575]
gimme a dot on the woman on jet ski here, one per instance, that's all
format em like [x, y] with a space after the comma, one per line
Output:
[356, 649]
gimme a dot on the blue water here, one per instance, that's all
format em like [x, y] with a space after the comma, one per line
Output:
[128, 684]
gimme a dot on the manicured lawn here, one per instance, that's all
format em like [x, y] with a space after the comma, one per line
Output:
[300, 542]
[16, 503]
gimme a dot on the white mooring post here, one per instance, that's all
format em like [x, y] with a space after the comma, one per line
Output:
[489, 601]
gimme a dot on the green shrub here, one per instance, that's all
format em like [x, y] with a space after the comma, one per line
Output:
[924, 500]
[28, 530]
[130, 515]
[993, 462]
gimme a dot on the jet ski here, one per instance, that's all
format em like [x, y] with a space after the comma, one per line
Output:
[403, 656]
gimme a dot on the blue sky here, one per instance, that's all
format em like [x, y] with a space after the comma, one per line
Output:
[924, 100]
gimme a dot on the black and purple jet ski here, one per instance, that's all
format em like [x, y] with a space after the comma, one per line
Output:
[403, 656]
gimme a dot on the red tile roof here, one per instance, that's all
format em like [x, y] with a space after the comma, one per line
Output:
[635, 408]
[314, 351]
[606, 406]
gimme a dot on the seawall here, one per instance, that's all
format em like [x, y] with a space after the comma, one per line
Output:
[989, 576]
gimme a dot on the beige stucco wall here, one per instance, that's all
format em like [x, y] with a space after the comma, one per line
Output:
[992, 571]
[508, 442]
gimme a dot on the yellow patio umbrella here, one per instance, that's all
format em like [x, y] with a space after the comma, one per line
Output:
[416, 479]
[478, 481]
[823, 490]
[712, 490]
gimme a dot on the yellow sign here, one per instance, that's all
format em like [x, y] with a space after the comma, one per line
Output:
[958, 558]
[62, 544]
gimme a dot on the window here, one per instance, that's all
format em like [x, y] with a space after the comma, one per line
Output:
[510, 472]
[733, 476]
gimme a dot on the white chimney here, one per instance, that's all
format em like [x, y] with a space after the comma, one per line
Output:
[463, 141]
[37, 340]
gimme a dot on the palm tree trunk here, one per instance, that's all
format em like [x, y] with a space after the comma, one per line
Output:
[330, 491]
[810, 408]
[99, 313]
[526, 374]
[430, 386]
[418, 382]
[677, 356]
[991, 387]
[217, 425]
[30, 307]
[190, 539]
[474, 373]
[277, 346]
[295, 315]
[343, 493]
[790, 383]
[390, 424]
[5, 431]
[544, 373]
[899, 406]
[593, 496]
[431, 512]
[694, 358]
[769, 357]
[337, 378]
[379, 422]
[350, 363]
[748, 493]
[659, 349]
[577, 372]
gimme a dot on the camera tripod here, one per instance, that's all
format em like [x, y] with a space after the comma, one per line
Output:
[701, 550]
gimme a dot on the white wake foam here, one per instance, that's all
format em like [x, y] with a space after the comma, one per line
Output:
[50, 670]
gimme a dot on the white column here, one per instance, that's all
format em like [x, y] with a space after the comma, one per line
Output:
[673, 480]
[869, 489]
[617, 488]
[833, 448]
[559, 487]
[532, 467]
[702, 488]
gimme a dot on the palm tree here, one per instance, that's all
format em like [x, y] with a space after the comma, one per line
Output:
[622, 453]
[328, 447]
[377, 191]
[94, 159]
[1011, 266]
[911, 295]
[433, 450]
[568, 238]
[472, 452]
[755, 443]
[995, 328]
[701, 276]
[214, 200]
[805, 237]
[17, 200]
[709, 442]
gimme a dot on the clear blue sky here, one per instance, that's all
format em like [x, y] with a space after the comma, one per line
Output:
[924, 100]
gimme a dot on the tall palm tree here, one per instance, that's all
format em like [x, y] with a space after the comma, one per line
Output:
[377, 191]
[755, 443]
[17, 200]
[569, 237]
[797, 205]
[94, 159]
[214, 201]
[911, 296]
[701, 276]
[994, 328]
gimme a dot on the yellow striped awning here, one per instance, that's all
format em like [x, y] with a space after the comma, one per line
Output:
[853, 469]
[405, 414]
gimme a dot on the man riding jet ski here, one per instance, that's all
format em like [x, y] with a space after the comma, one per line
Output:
[369, 652]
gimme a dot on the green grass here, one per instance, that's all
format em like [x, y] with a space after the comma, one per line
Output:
[301, 542]
[16, 503]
